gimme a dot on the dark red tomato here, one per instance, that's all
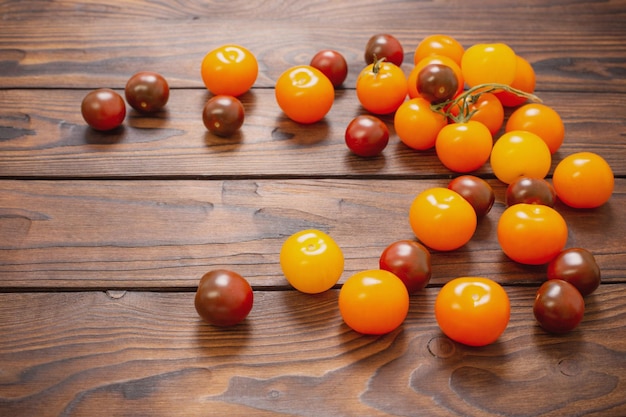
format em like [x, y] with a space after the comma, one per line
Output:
[223, 115]
[530, 191]
[367, 135]
[385, 46]
[437, 83]
[578, 267]
[103, 109]
[559, 307]
[147, 92]
[409, 261]
[332, 64]
[223, 298]
[476, 191]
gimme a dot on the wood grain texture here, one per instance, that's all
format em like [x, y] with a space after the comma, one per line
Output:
[44, 135]
[117, 354]
[152, 234]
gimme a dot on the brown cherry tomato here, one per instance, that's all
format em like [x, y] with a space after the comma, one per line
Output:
[223, 298]
[578, 267]
[559, 307]
[409, 261]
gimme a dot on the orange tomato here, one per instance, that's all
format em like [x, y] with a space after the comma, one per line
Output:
[381, 87]
[464, 147]
[541, 120]
[229, 70]
[486, 109]
[488, 63]
[433, 59]
[438, 44]
[524, 80]
[583, 180]
[417, 125]
[520, 154]
[373, 302]
[442, 219]
[472, 310]
[304, 94]
[531, 234]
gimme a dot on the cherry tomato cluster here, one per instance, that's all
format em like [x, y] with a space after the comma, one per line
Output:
[104, 109]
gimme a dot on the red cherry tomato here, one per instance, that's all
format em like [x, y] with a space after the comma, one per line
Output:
[409, 261]
[385, 46]
[367, 135]
[223, 298]
[332, 64]
[103, 109]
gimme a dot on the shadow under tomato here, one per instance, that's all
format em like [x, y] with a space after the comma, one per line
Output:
[109, 137]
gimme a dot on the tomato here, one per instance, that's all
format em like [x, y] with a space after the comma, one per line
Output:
[434, 60]
[472, 310]
[311, 261]
[103, 109]
[524, 80]
[332, 64]
[417, 125]
[367, 135]
[438, 44]
[476, 191]
[489, 63]
[531, 234]
[442, 219]
[229, 70]
[541, 120]
[147, 92]
[484, 108]
[409, 261]
[223, 115]
[384, 46]
[373, 302]
[519, 153]
[381, 87]
[223, 298]
[464, 147]
[558, 306]
[583, 180]
[577, 266]
[530, 191]
[304, 94]
[437, 83]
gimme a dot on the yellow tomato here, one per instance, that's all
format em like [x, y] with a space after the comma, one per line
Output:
[520, 154]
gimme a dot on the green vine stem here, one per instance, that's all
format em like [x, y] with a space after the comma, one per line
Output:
[465, 100]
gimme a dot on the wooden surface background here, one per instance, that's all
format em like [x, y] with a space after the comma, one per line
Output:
[104, 236]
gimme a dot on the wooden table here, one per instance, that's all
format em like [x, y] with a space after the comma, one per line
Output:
[104, 236]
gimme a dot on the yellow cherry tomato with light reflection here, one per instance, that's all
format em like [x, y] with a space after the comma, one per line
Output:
[524, 80]
[541, 120]
[531, 234]
[442, 219]
[381, 87]
[439, 44]
[311, 261]
[583, 180]
[488, 63]
[464, 147]
[304, 94]
[520, 154]
[229, 70]
[417, 125]
[374, 302]
[472, 310]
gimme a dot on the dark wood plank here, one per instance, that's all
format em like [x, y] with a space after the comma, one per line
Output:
[152, 234]
[103, 44]
[142, 353]
[42, 134]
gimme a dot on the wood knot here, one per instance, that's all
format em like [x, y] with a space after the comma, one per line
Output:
[441, 347]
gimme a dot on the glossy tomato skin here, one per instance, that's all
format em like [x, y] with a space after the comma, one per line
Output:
[223, 298]
[147, 92]
[541, 120]
[488, 63]
[384, 45]
[583, 180]
[229, 70]
[520, 153]
[531, 234]
[103, 109]
[417, 125]
[531, 191]
[474, 311]
[373, 302]
[412, 79]
[223, 115]
[464, 146]
[332, 64]
[524, 80]
[304, 94]
[439, 44]
[577, 266]
[486, 109]
[437, 83]
[409, 261]
[476, 191]
[381, 87]
[367, 135]
[559, 307]
[311, 261]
